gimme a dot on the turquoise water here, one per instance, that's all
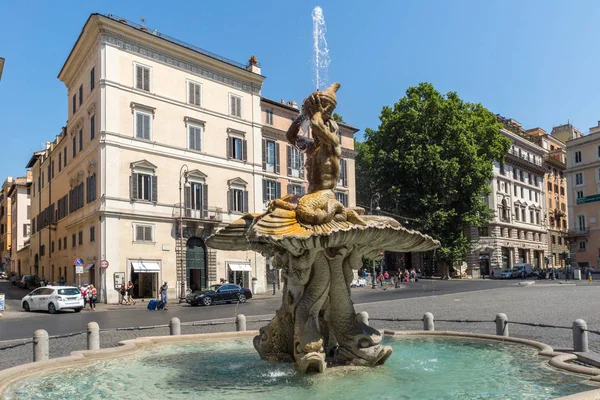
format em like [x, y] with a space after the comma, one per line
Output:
[420, 368]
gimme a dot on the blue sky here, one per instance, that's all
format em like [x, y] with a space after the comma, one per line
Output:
[535, 61]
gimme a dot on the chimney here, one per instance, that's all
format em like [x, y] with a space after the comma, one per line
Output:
[253, 65]
[294, 104]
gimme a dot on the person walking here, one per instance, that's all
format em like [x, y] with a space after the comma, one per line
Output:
[589, 274]
[122, 294]
[93, 297]
[130, 299]
[380, 279]
[163, 294]
[83, 291]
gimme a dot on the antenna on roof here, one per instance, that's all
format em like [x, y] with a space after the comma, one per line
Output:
[143, 20]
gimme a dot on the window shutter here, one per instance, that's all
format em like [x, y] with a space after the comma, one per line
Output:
[232, 105]
[133, 184]
[139, 76]
[87, 192]
[289, 160]
[245, 201]
[139, 233]
[81, 190]
[191, 137]
[205, 200]
[191, 93]
[302, 190]
[264, 154]
[139, 125]
[146, 127]
[154, 189]
[197, 95]
[229, 147]
[345, 173]
[146, 79]
[148, 234]
[289, 189]
[277, 157]
[187, 198]
[264, 190]
[229, 200]
[278, 190]
[301, 165]
[238, 104]
[244, 150]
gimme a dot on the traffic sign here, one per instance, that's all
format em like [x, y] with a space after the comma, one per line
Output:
[79, 269]
[78, 261]
[104, 264]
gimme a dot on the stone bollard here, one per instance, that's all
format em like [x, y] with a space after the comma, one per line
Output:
[93, 336]
[240, 322]
[175, 327]
[41, 349]
[362, 317]
[428, 324]
[501, 325]
[580, 336]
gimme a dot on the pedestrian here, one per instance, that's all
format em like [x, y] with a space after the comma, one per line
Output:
[83, 291]
[130, 299]
[163, 294]
[406, 275]
[93, 297]
[590, 276]
[380, 279]
[386, 276]
[63, 281]
[123, 294]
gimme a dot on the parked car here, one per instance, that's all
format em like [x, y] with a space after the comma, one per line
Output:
[358, 283]
[506, 274]
[225, 293]
[29, 282]
[3, 275]
[53, 299]
[527, 267]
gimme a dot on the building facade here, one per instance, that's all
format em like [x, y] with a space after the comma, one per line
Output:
[556, 216]
[518, 232]
[164, 144]
[583, 189]
[20, 197]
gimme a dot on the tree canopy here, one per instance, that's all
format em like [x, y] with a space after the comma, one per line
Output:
[338, 118]
[431, 159]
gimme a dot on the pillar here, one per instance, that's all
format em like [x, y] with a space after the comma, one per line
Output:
[93, 336]
[41, 345]
[502, 325]
[428, 324]
[175, 327]
[580, 336]
[240, 322]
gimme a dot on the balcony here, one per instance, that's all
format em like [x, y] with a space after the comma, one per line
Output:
[579, 232]
[208, 214]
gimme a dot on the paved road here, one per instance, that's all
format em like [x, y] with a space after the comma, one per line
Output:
[18, 324]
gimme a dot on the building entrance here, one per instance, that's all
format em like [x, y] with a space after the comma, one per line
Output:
[196, 264]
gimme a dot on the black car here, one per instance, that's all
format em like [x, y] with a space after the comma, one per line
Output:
[226, 293]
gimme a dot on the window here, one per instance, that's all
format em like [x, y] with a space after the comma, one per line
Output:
[516, 188]
[142, 78]
[42, 250]
[196, 196]
[80, 139]
[537, 217]
[144, 187]
[74, 103]
[531, 216]
[580, 194]
[59, 244]
[562, 190]
[515, 174]
[522, 193]
[76, 200]
[269, 119]
[195, 137]
[537, 197]
[577, 157]
[523, 215]
[142, 125]
[237, 148]
[530, 195]
[582, 245]
[343, 181]
[342, 198]
[521, 177]
[271, 190]
[194, 93]
[65, 242]
[73, 240]
[92, 78]
[536, 181]
[235, 106]
[516, 213]
[59, 162]
[530, 179]
[28, 212]
[91, 188]
[80, 237]
[295, 161]
[143, 233]
[65, 157]
[74, 140]
[43, 180]
[80, 94]
[579, 178]
[52, 247]
[549, 187]
[581, 223]
[270, 156]
[560, 240]
[297, 190]
[92, 127]
[237, 200]
[553, 239]
[92, 233]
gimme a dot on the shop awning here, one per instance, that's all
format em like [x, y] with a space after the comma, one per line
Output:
[89, 266]
[240, 267]
[146, 266]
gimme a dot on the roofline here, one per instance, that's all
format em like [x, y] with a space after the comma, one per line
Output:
[128, 24]
[34, 158]
[288, 107]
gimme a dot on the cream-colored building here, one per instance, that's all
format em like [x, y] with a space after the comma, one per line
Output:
[159, 131]
[556, 196]
[518, 233]
[20, 197]
[583, 189]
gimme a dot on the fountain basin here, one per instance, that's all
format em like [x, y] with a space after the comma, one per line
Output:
[430, 365]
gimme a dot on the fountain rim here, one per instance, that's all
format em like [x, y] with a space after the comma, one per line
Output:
[558, 360]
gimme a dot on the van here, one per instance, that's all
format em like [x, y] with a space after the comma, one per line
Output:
[527, 267]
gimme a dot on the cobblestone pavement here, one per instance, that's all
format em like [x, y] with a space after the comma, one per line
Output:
[550, 304]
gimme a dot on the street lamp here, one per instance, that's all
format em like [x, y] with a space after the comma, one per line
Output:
[183, 173]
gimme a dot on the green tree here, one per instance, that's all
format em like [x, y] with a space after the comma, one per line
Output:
[338, 118]
[431, 159]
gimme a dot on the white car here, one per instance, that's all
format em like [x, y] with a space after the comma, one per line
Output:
[53, 299]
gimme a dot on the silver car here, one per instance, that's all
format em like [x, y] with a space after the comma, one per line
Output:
[53, 299]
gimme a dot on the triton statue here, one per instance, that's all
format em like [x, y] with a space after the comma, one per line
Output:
[316, 242]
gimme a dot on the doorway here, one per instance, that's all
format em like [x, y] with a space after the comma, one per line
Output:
[196, 271]
[144, 284]
[239, 274]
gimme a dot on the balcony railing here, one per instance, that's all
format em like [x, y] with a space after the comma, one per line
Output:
[205, 213]
[579, 232]
[526, 157]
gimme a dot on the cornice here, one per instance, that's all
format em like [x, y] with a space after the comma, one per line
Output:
[131, 46]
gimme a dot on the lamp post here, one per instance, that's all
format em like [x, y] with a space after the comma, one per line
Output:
[374, 199]
[183, 173]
